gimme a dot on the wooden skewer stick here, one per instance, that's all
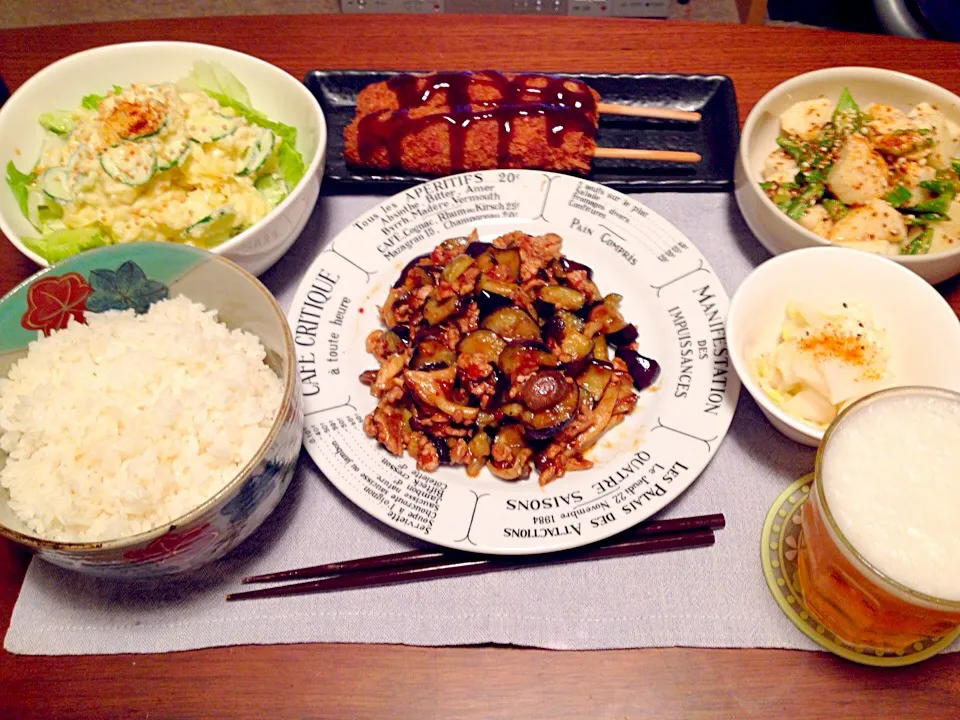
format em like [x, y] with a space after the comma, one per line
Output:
[648, 112]
[660, 155]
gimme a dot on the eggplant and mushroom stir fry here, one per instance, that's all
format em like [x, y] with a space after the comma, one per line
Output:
[503, 355]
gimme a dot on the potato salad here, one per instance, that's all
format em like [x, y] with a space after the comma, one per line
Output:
[184, 162]
[879, 179]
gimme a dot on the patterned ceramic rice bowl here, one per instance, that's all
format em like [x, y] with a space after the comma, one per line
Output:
[135, 276]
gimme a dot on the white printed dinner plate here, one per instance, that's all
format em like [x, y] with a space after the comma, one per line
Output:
[669, 292]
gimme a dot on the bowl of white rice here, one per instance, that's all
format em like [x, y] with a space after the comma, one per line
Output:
[150, 414]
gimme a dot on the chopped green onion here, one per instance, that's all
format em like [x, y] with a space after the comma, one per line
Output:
[898, 197]
[920, 245]
[835, 208]
[792, 149]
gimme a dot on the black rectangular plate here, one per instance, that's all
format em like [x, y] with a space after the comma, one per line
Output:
[714, 137]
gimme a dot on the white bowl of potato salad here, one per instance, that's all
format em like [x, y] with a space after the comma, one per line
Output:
[861, 158]
[160, 141]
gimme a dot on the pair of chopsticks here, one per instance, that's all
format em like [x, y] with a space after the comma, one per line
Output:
[647, 112]
[419, 565]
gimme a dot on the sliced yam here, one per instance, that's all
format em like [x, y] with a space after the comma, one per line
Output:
[876, 221]
[886, 120]
[910, 174]
[816, 219]
[893, 133]
[944, 132]
[780, 168]
[877, 247]
[860, 174]
[807, 118]
[946, 234]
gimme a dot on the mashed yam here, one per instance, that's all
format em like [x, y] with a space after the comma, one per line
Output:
[130, 421]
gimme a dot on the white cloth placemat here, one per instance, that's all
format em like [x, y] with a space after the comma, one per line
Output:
[712, 597]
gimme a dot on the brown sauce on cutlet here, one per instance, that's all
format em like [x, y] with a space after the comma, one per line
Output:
[416, 90]
[389, 128]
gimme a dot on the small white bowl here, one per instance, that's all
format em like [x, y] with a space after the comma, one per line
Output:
[773, 228]
[277, 94]
[923, 332]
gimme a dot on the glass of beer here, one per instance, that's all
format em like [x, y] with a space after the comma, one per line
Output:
[879, 555]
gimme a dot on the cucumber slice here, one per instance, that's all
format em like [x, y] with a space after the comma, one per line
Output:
[55, 184]
[130, 163]
[172, 153]
[211, 127]
[273, 188]
[258, 153]
[213, 229]
[57, 121]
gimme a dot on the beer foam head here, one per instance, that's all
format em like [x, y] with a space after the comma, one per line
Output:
[891, 479]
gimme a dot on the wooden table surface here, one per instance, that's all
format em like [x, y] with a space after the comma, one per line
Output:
[357, 681]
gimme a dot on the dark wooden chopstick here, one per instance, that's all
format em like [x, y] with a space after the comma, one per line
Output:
[473, 565]
[420, 557]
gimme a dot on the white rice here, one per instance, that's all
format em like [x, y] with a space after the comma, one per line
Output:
[130, 421]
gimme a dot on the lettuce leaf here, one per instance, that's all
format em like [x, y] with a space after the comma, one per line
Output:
[57, 121]
[18, 183]
[212, 77]
[60, 244]
[285, 132]
[290, 164]
[92, 101]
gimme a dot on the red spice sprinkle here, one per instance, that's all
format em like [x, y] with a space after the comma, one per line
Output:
[833, 343]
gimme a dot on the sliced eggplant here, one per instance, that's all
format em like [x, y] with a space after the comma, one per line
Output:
[502, 390]
[544, 310]
[512, 323]
[544, 389]
[436, 311]
[508, 264]
[479, 445]
[561, 325]
[498, 287]
[396, 296]
[429, 333]
[455, 268]
[488, 302]
[567, 265]
[440, 445]
[607, 314]
[394, 342]
[523, 356]
[402, 332]
[601, 350]
[575, 346]
[510, 443]
[494, 295]
[432, 354]
[550, 421]
[485, 343]
[595, 378]
[577, 365]
[624, 336]
[643, 370]
[417, 262]
[563, 298]
[477, 248]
